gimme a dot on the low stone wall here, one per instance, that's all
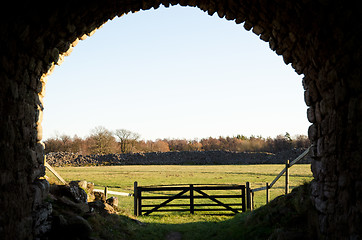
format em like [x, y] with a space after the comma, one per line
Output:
[174, 158]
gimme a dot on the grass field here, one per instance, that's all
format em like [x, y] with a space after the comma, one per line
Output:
[121, 178]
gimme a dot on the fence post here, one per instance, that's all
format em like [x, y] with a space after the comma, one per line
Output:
[191, 198]
[286, 176]
[249, 197]
[105, 192]
[267, 193]
[135, 196]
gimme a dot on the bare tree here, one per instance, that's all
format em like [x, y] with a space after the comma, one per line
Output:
[102, 141]
[127, 139]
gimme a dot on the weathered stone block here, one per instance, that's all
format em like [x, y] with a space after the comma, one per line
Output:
[323, 107]
[313, 92]
[32, 157]
[320, 147]
[317, 112]
[39, 130]
[331, 143]
[99, 196]
[257, 30]
[311, 115]
[113, 201]
[316, 168]
[325, 126]
[329, 189]
[78, 194]
[320, 205]
[265, 36]
[248, 25]
[313, 132]
[298, 67]
[37, 173]
[39, 149]
[272, 44]
[40, 189]
[307, 98]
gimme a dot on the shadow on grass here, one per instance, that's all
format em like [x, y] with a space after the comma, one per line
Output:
[230, 229]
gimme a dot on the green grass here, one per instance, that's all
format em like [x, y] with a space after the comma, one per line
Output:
[121, 178]
[271, 220]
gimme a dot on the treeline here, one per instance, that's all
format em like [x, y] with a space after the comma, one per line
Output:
[103, 141]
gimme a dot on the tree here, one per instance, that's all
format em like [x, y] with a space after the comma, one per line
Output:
[281, 143]
[66, 142]
[159, 146]
[127, 139]
[301, 141]
[53, 145]
[61, 143]
[194, 145]
[102, 141]
[287, 136]
[76, 146]
[210, 144]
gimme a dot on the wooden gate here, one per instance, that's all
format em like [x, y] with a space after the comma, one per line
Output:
[189, 194]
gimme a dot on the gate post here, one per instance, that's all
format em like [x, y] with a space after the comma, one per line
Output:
[249, 197]
[191, 198]
[267, 193]
[286, 176]
[135, 198]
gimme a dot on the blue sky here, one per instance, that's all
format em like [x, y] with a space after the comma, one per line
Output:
[174, 73]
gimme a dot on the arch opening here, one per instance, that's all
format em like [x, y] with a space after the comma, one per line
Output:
[207, 80]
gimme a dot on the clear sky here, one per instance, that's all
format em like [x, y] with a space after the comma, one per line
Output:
[174, 73]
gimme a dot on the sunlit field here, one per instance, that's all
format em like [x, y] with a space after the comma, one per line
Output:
[122, 178]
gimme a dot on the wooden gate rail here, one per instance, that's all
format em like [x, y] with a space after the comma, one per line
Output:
[250, 192]
[192, 207]
[52, 170]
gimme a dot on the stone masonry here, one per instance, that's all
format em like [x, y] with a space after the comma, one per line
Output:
[319, 38]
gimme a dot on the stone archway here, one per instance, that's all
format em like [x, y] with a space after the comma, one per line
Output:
[319, 39]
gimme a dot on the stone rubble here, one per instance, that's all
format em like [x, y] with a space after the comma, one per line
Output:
[69, 218]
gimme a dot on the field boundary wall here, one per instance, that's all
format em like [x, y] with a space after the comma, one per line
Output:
[173, 158]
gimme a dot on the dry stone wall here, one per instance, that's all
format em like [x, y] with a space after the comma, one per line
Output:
[61, 159]
[320, 39]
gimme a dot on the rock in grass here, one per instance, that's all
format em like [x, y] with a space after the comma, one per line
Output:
[113, 201]
[77, 192]
[72, 191]
[101, 207]
[99, 196]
